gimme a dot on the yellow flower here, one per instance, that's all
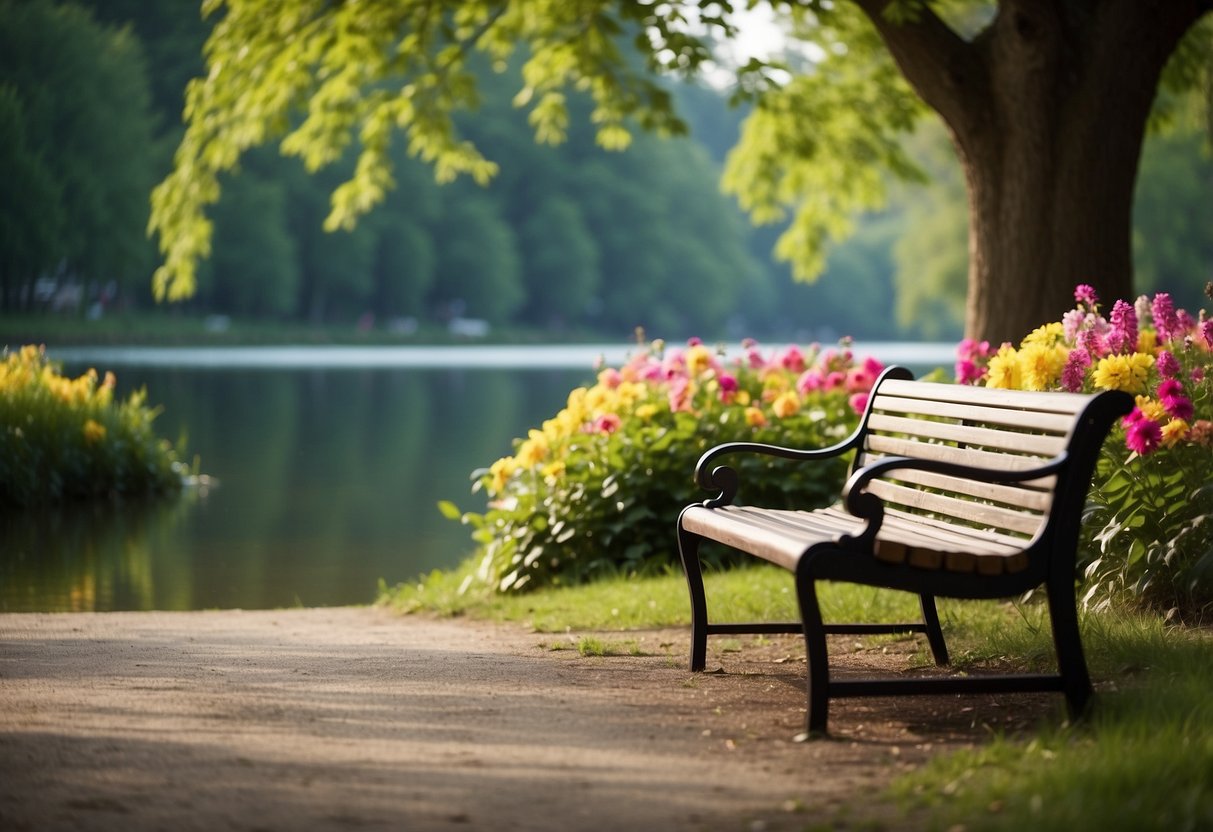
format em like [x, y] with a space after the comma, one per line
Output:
[1045, 336]
[554, 470]
[646, 411]
[754, 417]
[1123, 372]
[501, 471]
[1004, 371]
[1153, 410]
[787, 404]
[1147, 341]
[1040, 365]
[699, 358]
[1173, 431]
[742, 398]
[534, 450]
[94, 431]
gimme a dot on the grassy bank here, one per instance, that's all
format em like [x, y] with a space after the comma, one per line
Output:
[1144, 760]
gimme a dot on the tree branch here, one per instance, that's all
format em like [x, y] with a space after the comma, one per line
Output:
[944, 69]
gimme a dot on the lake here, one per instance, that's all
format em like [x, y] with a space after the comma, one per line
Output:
[329, 464]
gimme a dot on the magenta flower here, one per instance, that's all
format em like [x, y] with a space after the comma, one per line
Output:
[1123, 336]
[1197, 375]
[728, 386]
[1085, 294]
[1206, 332]
[809, 381]
[968, 372]
[1095, 344]
[1168, 366]
[835, 379]
[1166, 322]
[792, 359]
[1170, 387]
[859, 401]
[1142, 435]
[1074, 373]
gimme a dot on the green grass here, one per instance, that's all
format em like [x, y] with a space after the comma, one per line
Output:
[1143, 760]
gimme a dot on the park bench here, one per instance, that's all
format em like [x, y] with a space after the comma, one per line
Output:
[954, 491]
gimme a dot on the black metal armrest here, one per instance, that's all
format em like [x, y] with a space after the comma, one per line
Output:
[724, 479]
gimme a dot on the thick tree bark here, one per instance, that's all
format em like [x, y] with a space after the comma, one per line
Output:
[1047, 109]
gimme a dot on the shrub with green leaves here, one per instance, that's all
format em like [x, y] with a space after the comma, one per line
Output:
[597, 488]
[65, 439]
[1148, 527]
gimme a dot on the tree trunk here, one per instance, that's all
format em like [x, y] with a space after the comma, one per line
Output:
[1047, 109]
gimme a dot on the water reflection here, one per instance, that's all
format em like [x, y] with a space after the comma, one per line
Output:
[328, 481]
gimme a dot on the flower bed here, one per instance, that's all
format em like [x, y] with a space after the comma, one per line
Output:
[1148, 528]
[63, 439]
[597, 487]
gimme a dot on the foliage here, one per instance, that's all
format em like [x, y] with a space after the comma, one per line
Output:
[1150, 520]
[1141, 761]
[75, 114]
[594, 489]
[64, 439]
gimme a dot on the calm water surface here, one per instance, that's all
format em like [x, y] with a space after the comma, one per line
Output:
[329, 462]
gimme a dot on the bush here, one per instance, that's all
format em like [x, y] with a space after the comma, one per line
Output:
[598, 487]
[65, 439]
[1148, 527]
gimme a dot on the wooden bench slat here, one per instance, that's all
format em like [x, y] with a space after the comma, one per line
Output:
[1069, 403]
[974, 457]
[1031, 443]
[1033, 498]
[982, 514]
[1059, 423]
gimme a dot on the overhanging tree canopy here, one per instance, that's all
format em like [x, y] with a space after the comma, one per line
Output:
[1046, 103]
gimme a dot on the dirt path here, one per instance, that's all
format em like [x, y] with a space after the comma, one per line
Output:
[355, 718]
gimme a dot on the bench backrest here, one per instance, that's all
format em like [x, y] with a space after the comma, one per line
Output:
[987, 428]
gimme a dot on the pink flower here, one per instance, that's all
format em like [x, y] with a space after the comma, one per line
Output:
[1206, 332]
[1123, 337]
[1074, 373]
[757, 362]
[1085, 294]
[610, 378]
[1197, 375]
[1072, 323]
[694, 341]
[859, 401]
[835, 379]
[680, 394]
[809, 380]
[1168, 366]
[1142, 435]
[1166, 323]
[792, 359]
[607, 423]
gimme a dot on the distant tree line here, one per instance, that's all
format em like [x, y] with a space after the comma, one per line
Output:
[571, 238]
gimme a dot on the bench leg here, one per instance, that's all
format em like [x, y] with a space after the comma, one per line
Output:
[930, 617]
[1071, 663]
[688, 551]
[817, 658]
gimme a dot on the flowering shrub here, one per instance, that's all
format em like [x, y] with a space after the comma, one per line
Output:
[597, 487]
[63, 439]
[1148, 528]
